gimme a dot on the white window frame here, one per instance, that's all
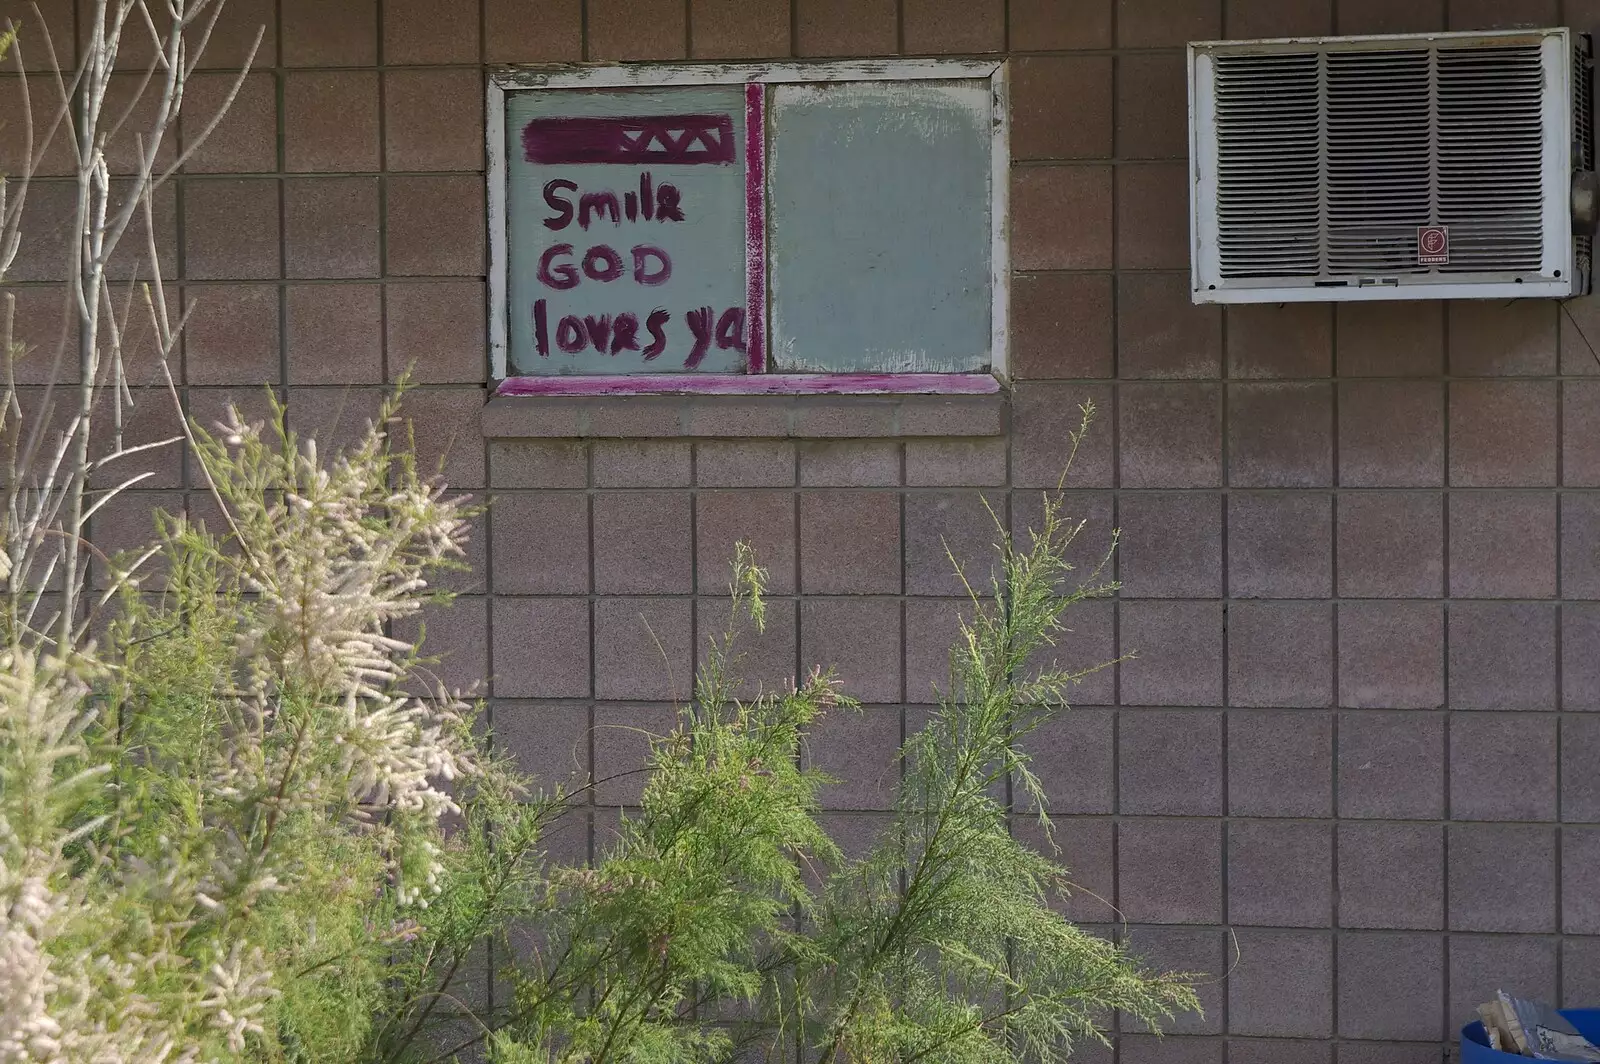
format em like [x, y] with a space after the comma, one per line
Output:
[513, 79]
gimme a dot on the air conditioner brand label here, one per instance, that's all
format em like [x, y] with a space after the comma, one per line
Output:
[1433, 245]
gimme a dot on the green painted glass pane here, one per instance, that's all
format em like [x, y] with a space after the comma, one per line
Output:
[626, 216]
[880, 237]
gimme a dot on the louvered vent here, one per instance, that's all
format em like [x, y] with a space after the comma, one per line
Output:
[1269, 163]
[1331, 162]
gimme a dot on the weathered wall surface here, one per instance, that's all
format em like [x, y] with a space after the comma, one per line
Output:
[1361, 544]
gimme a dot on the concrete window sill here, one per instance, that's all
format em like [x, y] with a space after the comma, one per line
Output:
[795, 416]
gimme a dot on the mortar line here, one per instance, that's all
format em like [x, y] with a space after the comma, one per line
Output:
[694, 568]
[1447, 755]
[1223, 500]
[383, 200]
[588, 457]
[1560, 656]
[186, 478]
[383, 197]
[281, 162]
[905, 680]
[488, 479]
[593, 801]
[1116, 484]
[798, 569]
[1332, 833]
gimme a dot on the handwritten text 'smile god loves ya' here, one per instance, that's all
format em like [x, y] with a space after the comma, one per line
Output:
[647, 264]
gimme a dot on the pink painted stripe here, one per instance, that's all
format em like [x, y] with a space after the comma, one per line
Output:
[756, 384]
[755, 208]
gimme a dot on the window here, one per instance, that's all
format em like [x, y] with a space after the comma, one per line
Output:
[750, 227]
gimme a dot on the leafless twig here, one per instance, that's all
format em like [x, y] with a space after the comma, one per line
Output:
[53, 437]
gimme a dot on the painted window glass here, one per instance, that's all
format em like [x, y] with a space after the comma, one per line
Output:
[771, 221]
[628, 231]
[880, 238]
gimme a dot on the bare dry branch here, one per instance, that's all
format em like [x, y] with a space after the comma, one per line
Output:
[47, 495]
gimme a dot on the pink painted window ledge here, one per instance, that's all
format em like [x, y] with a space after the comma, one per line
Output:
[755, 384]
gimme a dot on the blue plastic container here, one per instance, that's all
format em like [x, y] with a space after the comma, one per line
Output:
[1475, 1042]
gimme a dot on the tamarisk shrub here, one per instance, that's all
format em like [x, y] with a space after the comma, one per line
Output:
[697, 937]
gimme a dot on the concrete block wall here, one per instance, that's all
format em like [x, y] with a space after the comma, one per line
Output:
[1360, 564]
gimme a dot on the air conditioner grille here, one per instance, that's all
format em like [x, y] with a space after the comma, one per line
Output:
[1269, 152]
[1329, 161]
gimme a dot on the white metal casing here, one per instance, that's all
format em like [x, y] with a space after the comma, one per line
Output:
[1292, 187]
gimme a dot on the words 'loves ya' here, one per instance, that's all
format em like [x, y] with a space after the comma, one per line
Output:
[613, 334]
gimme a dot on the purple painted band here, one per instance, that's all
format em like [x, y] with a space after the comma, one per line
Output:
[755, 384]
[629, 141]
[755, 225]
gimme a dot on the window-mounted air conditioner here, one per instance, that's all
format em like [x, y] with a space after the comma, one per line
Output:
[1425, 166]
